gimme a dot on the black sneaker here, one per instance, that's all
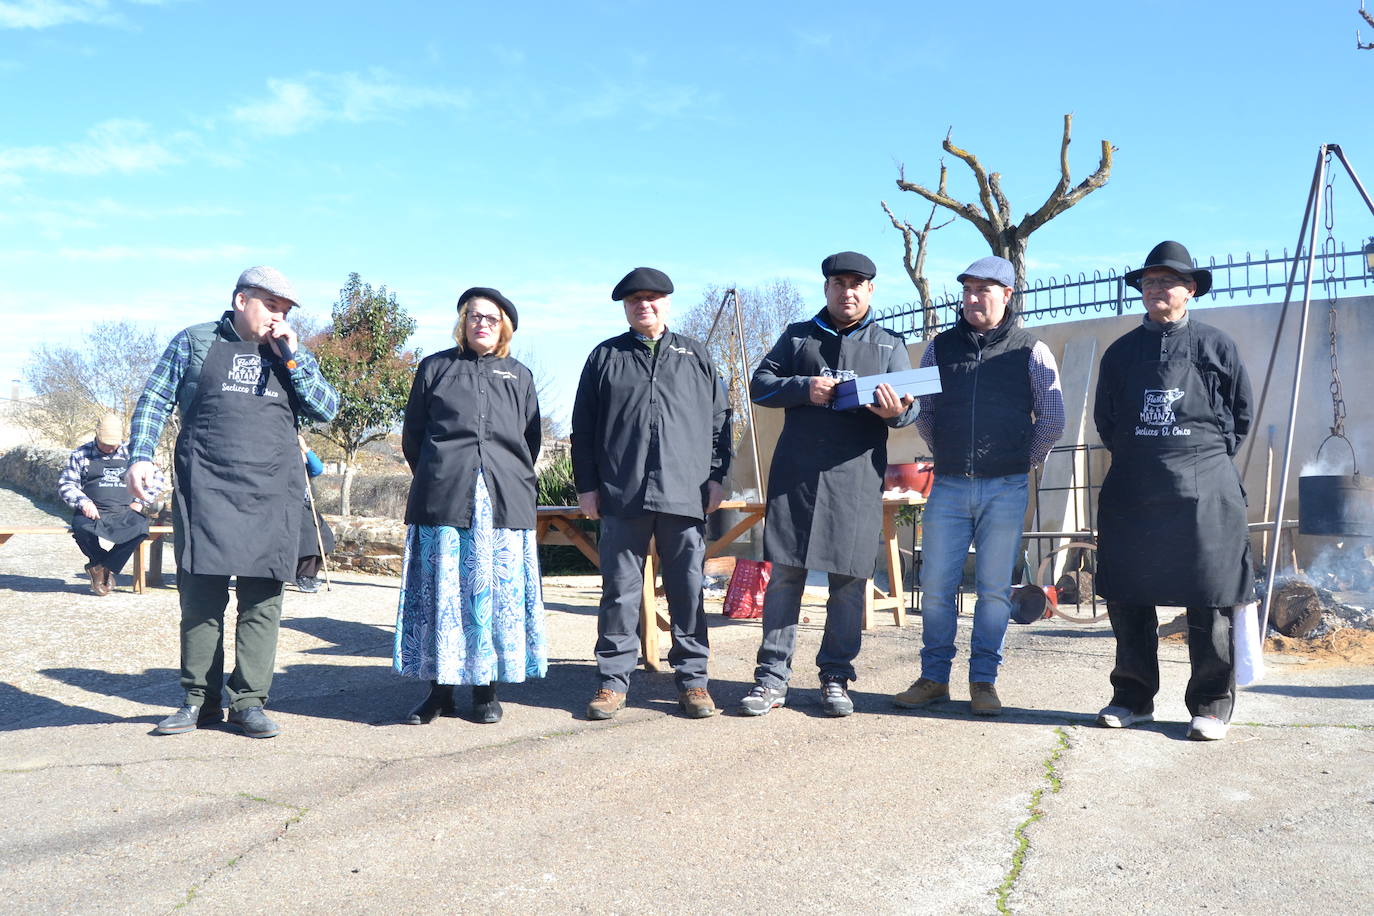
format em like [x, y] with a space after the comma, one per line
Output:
[253, 722]
[308, 584]
[835, 699]
[188, 718]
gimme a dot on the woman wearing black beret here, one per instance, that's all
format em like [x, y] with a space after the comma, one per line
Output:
[471, 610]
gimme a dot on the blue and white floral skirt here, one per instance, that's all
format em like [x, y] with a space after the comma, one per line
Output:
[471, 608]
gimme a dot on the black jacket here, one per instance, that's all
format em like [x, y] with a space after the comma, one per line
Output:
[650, 429]
[826, 481]
[983, 411]
[468, 412]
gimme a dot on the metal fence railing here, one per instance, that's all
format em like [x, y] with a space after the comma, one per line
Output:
[1106, 293]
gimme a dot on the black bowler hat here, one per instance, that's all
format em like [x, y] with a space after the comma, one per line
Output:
[647, 279]
[1175, 257]
[849, 262]
[486, 292]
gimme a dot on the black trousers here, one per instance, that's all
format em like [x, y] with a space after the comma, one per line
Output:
[1135, 679]
[112, 559]
[681, 546]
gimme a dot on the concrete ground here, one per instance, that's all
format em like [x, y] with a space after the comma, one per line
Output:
[887, 811]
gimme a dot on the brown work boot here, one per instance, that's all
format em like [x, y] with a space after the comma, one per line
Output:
[983, 699]
[696, 703]
[100, 582]
[922, 693]
[605, 704]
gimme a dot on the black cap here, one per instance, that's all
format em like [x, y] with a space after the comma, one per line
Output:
[642, 278]
[849, 262]
[1175, 257]
[486, 292]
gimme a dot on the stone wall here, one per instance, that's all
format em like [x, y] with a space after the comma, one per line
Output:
[368, 544]
[33, 471]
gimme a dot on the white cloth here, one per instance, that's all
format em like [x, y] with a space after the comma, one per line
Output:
[1248, 644]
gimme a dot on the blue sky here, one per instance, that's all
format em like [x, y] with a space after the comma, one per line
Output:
[152, 149]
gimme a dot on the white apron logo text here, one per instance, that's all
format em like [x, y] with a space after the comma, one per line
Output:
[1157, 415]
[248, 375]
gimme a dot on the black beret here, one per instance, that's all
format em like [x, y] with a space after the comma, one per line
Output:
[642, 278]
[849, 262]
[486, 292]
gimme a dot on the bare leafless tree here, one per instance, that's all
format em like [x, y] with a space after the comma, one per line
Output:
[766, 311]
[1365, 15]
[914, 259]
[74, 386]
[992, 215]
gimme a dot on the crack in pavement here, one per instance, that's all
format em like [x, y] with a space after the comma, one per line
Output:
[1052, 785]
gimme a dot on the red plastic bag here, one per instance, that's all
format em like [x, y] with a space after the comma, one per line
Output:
[749, 581]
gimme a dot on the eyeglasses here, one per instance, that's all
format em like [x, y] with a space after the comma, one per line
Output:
[1162, 282]
[480, 319]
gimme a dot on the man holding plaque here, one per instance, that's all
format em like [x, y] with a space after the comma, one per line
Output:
[826, 481]
[999, 412]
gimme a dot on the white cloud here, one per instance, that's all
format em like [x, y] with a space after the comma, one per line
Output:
[43, 14]
[294, 106]
[190, 254]
[110, 146]
[615, 100]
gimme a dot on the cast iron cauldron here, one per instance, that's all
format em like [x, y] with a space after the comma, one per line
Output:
[1336, 505]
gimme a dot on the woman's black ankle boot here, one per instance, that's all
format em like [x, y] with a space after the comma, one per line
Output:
[485, 707]
[440, 696]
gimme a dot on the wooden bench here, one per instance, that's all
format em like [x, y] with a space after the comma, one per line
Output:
[141, 556]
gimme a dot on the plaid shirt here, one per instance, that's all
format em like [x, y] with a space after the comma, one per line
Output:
[319, 401]
[69, 481]
[1049, 402]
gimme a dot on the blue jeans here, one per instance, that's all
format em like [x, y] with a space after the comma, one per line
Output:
[987, 513]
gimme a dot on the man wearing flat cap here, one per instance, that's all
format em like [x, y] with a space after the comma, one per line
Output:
[92, 483]
[825, 483]
[650, 447]
[241, 385]
[1173, 406]
[999, 412]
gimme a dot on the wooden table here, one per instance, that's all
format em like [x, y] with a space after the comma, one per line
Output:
[558, 524]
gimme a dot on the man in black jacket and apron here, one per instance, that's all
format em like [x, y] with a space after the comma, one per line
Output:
[825, 484]
[650, 447]
[1173, 406]
[242, 384]
[92, 483]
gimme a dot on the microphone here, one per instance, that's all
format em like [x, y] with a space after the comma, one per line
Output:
[288, 356]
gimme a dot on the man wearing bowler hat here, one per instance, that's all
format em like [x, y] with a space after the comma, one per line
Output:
[826, 480]
[999, 412]
[242, 385]
[650, 447]
[1173, 406]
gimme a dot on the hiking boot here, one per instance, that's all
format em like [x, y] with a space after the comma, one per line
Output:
[188, 718]
[308, 584]
[761, 699]
[1121, 717]
[983, 699]
[253, 722]
[605, 704]
[486, 709]
[921, 693]
[696, 703]
[835, 699]
[1207, 728]
[100, 579]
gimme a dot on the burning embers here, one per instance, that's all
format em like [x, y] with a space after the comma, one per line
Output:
[1335, 591]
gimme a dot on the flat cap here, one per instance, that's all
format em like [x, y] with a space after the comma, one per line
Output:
[271, 280]
[849, 262]
[110, 430]
[998, 270]
[504, 304]
[642, 278]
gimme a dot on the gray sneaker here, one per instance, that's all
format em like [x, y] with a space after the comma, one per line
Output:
[762, 699]
[1122, 717]
[835, 699]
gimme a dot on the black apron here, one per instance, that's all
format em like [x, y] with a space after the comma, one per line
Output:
[238, 468]
[103, 483]
[309, 544]
[1172, 520]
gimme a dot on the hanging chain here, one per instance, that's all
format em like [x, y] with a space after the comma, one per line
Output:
[1328, 260]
